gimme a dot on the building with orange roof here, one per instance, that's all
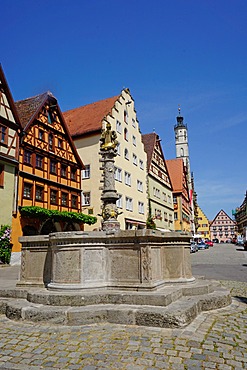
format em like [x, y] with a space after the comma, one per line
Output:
[85, 124]
[181, 199]
[49, 168]
[10, 129]
[159, 184]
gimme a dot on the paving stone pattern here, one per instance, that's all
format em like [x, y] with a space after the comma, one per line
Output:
[215, 340]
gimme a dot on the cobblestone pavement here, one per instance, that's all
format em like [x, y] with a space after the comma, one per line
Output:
[215, 340]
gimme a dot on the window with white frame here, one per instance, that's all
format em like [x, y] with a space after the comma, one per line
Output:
[86, 172]
[119, 127]
[133, 123]
[86, 199]
[129, 204]
[126, 134]
[141, 207]
[127, 178]
[164, 197]
[141, 164]
[118, 174]
[139, 185]
[119, 202]
[118, 149]
[134, 140]
[135, 159]
[126, 154]
[156, 192]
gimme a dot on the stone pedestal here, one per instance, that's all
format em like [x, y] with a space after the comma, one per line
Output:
[126, 260]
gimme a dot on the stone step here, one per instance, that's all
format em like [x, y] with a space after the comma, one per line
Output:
[174, 315]
[161, 297]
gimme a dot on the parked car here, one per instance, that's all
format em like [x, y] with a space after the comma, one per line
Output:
[215, 240]
[209, 243]
[240, 242]
[202, 245]
[193, 247]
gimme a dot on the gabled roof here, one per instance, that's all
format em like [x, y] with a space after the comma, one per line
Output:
[149, 141]
[224, 214]
[29, 108]
[5, 88]
[88, 118]
[176, 172]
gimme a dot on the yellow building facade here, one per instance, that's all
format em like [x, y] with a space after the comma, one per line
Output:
[85, 125]
[203, 224]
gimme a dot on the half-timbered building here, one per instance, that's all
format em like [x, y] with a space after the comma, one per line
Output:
[50, 167]
[223, 227]
[9, 138]
[181, 199]
[159, 184]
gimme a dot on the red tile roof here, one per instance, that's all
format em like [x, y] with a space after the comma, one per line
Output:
[88, 118]
[176, 172]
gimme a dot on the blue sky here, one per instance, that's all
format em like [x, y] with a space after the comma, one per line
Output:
[167, 52]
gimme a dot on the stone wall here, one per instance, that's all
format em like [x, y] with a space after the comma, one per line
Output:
[134, 259]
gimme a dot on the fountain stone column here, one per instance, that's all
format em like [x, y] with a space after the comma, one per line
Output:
[108, 152]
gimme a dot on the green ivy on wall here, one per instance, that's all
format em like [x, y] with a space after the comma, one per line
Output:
[43, 213]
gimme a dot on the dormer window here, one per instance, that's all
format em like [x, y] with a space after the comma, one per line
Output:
[49, 117]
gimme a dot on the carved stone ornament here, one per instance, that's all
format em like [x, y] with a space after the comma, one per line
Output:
[109, 212]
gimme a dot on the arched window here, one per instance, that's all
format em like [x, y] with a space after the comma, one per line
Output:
[126, 134]
[182, 152]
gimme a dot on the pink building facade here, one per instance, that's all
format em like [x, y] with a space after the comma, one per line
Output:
[223, 228]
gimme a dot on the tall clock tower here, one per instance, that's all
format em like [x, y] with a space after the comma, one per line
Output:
[182, 151]
[182, 144]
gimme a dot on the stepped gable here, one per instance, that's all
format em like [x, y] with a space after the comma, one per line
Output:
[175, 169]
[88, 118]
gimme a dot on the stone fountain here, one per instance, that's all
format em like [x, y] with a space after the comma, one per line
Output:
[140, 277]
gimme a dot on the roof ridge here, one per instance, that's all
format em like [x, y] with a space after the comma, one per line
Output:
[95, 102]
[36, 96]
